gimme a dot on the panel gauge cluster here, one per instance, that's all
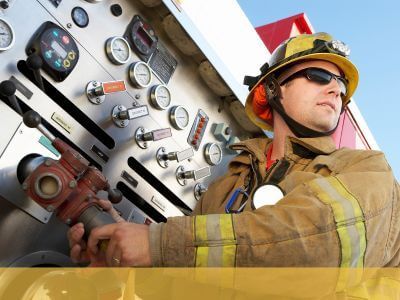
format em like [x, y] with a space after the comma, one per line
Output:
[7, 35]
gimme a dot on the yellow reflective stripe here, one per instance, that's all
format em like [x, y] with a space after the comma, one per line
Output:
[202, 257]
[200, 228]
[226, 227]
[348, 218]
[228, 256]
[363, 243]
[215, 241]
[359, 216]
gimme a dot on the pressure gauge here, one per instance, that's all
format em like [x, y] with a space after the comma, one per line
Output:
[140, 74]
[80, 17]
[7, 35]
[179, 117]
[118, 51]
[213, 153]
[160, 96]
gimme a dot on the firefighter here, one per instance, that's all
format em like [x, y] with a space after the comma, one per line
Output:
[294, 201]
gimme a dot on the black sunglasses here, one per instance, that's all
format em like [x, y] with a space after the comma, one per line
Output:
[320, 76]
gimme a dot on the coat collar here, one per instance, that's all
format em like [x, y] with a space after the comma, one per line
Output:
[295, 148]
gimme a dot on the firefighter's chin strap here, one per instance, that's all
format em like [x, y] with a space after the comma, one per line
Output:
[273, 91]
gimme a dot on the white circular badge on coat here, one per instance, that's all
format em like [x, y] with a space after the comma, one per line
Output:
[267, 194]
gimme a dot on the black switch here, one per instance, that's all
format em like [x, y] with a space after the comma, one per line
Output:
[116, 10]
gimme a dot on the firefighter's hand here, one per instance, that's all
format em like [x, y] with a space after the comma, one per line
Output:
[78, 248]
[128, 244]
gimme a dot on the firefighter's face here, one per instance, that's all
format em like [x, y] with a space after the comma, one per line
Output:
[312, 104]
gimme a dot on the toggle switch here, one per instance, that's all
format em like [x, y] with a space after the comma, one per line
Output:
[182, 175]
[199, 190]
[7, 90]
[35, 63]
[163, 157]
[96, 91]
[121, 115]
[143, 138]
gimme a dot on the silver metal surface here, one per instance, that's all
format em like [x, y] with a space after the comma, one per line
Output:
[140, 74]
[180, 177]
[115, 116]
[95, 98]
[7, 35]
[162, 157]
[38, 231]
[179, 117]
[198, 190]
[160, 96]
[24, 142]
[213, 153]
[118, 50]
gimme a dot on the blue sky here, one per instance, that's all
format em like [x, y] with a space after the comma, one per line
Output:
[370, 28]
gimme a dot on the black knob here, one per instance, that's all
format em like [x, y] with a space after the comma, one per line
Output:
[114, 195]
[116, 10]
[35, 62]
[8, 89]
[4, 4]
[32, 119]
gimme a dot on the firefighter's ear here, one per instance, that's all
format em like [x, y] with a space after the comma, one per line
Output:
[272, 88]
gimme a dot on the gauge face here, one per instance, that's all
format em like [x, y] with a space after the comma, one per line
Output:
[140, 74]
[80, 17]
[6, 35]
[160, 96]
[118, 50]
[179, 117]
[213, 153]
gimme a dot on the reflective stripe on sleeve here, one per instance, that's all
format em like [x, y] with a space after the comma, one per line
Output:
[215, 241]
[348, 217]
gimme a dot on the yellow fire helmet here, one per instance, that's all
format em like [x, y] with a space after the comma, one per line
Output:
[318, 46]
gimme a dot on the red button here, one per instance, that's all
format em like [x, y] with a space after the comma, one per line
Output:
[198, 130]
[202, 119]
[194, 142]
[201, 125]
[196, 136]
[65, 39]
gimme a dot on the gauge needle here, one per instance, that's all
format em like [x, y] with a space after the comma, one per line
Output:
[117, 49]
[3, 33]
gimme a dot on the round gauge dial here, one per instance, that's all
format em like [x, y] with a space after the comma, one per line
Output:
[179, 117]
[80, 17]
[140, 74]
[118, 51]
[160, 96]
[213, 153]
[7, 36]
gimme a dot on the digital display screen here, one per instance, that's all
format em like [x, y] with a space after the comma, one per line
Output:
[144, 36]
[59, 50]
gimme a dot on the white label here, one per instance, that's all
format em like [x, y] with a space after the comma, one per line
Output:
[161, 134]
[158, 203]
[201, 173]
[185, 154]
[60, 121]
[137, 112]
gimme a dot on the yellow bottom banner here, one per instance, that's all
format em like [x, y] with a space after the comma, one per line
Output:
[199, 283]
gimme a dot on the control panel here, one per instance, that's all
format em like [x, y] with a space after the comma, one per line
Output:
[110, 81]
